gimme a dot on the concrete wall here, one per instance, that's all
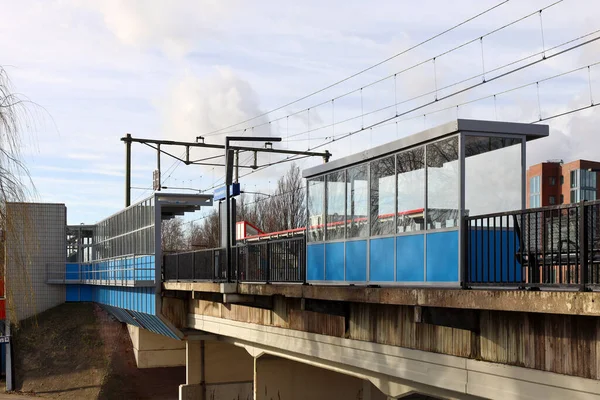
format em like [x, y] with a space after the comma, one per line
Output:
[35, 236]
[153, 351]
[279, 378]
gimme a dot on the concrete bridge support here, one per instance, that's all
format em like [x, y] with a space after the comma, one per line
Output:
[152, 350]
[279, 378]
[217, 370]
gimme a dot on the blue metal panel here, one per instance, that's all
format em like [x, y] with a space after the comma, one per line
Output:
[381, 260]
[410, 258]
[493, 255]
[334, 261]
[356, 261]
[315, 262]
[85, 293]
[72, 272]
[442, 257]
[72, 293]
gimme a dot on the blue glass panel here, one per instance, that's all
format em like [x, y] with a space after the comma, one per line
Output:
[442, 257]
[315, 262]
[334, 261]
[72, 293]
[381, 257]
[72, 272]
[356, 261]
[410, 258]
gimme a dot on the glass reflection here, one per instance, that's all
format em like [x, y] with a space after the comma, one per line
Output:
[357, 198]
[316, 200]
[336, 210]
[442, 184]
[411, 190]
[493, 174]
[383, 195]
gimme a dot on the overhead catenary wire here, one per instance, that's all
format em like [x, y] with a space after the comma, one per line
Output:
[522, 59]
[407, 69]
[423, 42]
[350, 134]
[470, 87]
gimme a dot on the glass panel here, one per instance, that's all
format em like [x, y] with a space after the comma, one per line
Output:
[316, 197]
[493, 175]
[357, 199]
[411, 190]
[442, 184]
[336, 205]
[383, 193]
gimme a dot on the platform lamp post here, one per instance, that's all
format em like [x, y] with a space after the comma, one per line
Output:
[229, 157]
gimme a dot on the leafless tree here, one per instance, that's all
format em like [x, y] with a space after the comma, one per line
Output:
[173, 235]
[286, 207]
[205, 234]
[16, 187]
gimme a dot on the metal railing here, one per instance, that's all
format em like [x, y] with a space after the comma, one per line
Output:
[281, 260]
[199, 265]
[543, 247]
[126, 270]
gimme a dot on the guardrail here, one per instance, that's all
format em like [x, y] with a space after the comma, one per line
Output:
[533, 248]
[281, 260]
[126, 270]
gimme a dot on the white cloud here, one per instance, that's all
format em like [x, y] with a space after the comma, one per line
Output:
[173, 27]
[181, 69]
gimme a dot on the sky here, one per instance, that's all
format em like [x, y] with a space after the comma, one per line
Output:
[96, 70]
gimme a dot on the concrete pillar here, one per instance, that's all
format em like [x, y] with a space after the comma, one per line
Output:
[153, 351]
[217, 371]
[194, 371]
[279, 378]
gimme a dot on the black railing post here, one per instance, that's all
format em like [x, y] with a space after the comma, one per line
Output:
[465, 251]
[583, 246]
[193, 266]
[268, 262]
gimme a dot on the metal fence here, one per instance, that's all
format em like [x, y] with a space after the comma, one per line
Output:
[544, 247]
[281, 260]
[199, 265]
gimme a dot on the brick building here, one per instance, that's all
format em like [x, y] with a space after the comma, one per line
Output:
[554, 182]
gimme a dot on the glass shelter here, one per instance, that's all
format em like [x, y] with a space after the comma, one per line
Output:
[394, 214]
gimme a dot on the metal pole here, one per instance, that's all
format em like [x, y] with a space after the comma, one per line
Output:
[227, 212]
[158, 166]
[237, 166]
[583, 245]
[10, 378]
[128, 170]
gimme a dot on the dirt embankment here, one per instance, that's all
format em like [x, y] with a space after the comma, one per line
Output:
[78, 351]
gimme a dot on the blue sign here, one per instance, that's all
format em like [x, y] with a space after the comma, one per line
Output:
[4, 339]
[219, 194]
